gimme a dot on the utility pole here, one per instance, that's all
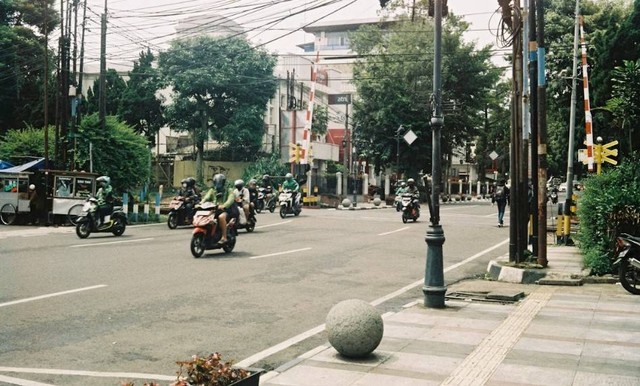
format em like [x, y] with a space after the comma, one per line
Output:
[103, 69]
[572, 126]
[533, 98]
[46, 84]
[542, 136]
[434, 288]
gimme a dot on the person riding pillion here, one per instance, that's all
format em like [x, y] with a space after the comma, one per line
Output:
[104, 197]
[223, 198]
[242, 197]
[291, 184]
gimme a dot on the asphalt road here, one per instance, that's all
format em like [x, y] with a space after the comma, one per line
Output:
[77, 312]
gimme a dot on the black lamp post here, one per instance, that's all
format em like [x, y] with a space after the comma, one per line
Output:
[434, 288]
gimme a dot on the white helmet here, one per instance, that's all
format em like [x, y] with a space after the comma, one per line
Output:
[32, 187]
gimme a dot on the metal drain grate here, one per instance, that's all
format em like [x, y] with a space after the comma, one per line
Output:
[488, 297]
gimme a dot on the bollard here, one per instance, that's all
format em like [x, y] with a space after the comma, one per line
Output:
[135, 212]
[146, 213]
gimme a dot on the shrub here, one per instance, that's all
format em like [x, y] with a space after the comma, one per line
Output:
[608, 206]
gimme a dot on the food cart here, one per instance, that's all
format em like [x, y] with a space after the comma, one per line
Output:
[14, 195]
[66, 193]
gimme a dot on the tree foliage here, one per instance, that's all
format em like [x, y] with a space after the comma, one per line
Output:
[20, 143]
[140, 105]
[22, 61]
[394, 80]
[115, 88]
[117, 152]
[220, 90]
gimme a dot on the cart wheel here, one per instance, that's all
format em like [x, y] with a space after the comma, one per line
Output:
[73, 214]
[8, 214]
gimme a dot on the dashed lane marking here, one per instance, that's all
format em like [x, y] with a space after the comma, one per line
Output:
[51, 295]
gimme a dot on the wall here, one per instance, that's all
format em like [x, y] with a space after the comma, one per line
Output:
[184, 169]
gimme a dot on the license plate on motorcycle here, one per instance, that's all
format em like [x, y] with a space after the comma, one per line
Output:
[203, 213]
[623, 253]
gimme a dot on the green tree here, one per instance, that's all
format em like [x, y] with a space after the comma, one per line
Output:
[394, 83]
[625, 103]
[27, 142]
[139, 106]
[118, 152]
[320, 122]
[220, 88]
[495, 133]
[22, 43]
[115, 89]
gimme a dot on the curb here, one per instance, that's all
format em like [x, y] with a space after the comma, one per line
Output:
[499, 272]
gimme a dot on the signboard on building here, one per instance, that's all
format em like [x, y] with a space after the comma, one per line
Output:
[339, 99]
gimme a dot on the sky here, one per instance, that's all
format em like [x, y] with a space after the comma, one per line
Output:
[134, 25]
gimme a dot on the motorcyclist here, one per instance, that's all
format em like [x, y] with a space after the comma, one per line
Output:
[411, 187]
[104, 197]
[189, 193]
[224, 199]
[242, 197]
[253, 192]
[401, 188]
[291, 184]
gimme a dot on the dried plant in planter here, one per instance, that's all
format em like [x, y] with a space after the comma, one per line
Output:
[205, 371]
[208, 371]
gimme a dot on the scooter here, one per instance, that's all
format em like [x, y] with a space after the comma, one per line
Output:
[207, 233]
[287, 205]
[179, 214]
[87, 222]
[246, 223]
[627, 258]
[266, 200]
[410, 207]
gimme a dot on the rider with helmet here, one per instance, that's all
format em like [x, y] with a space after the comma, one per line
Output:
[104, 197]
[253, 192]
[242, 197]
[291, 184]
[224, 199]
[411, 187]
[190, 194]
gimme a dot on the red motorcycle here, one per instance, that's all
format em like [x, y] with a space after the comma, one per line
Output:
[207, 233]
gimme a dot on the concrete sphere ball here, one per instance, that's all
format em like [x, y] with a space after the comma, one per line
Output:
[354, 328]
[346, 203]
[377, 201]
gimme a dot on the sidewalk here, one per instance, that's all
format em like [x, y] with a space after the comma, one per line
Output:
[556, 335]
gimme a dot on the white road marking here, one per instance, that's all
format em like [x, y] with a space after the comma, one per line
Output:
[52, 295]
[27, 370]
[300, 337]
[110, 242]
[273, 225]
[397, 230]
[280, 253]
[22, 382]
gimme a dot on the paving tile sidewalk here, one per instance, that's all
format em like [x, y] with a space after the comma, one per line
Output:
[556, 335]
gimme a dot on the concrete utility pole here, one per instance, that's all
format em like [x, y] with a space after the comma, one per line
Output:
[434, 288]
[103, 69]
[542, 138]
[533, 98]
[46, 88]
[572, 124]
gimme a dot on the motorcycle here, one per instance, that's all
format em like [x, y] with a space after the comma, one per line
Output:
[554, 197]
[628, 261]
[246, 223]
[207, 233]
[265, 200]
[410, 207]
[87, 222]
[287, 204]
[179, 213]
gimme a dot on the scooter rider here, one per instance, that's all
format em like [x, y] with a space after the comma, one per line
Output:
[190, 195]
[242, 197]
[253, 192]
[224, 199]
[104, 197]
[412, 188]
[291, 184]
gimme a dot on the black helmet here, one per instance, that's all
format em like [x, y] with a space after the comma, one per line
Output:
[239, 184]
[218, 181]
[191, 182]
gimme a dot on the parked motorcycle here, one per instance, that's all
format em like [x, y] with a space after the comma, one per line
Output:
[266, 200]
[207, 233]
[87, 222]
[410, 207]
[628, 261]
[287, 204]
[180, 213]
[247, 223]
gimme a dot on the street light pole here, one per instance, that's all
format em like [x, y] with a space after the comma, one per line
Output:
[434, 288]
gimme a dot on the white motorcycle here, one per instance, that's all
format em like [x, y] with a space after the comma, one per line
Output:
[288, 205]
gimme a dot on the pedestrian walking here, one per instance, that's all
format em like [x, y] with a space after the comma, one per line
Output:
[501, 198]
[34, 205]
